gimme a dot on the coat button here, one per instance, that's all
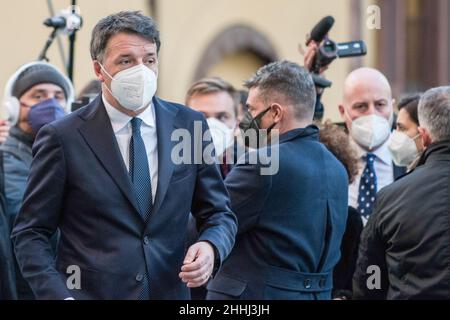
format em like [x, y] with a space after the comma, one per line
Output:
[146, 241]
[307, 283]
[139, 277]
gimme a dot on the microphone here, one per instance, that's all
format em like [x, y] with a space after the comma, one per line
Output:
[57, 22]
[67, 21]
[321, 29]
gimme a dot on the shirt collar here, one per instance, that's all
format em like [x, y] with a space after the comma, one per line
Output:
[120, 120]
[382, 152]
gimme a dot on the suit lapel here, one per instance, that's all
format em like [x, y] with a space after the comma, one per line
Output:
[165, 118]
[98, 134]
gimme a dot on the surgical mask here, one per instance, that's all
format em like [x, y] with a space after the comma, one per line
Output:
[134, 87]
[403, 148]
[370, 131]
[221, 134]
[44, 113]
[249, 122]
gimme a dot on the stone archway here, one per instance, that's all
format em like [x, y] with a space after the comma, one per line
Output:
[235, 39]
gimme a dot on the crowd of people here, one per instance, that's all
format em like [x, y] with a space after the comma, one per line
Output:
[283, 206]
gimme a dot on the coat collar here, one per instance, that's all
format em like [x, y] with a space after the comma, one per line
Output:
[311, 131]
[436, 151]
[120, 120]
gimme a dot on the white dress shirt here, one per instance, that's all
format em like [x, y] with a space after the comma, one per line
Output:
[122, 130]
[384, 169]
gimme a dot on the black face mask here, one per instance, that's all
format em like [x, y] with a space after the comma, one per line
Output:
[250, 123]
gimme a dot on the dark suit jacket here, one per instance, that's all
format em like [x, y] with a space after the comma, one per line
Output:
[290, 224]
[79, 184]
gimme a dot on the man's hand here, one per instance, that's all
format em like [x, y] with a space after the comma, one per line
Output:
[308, 60]
[4, 130]
[309, 55]
[198, 264]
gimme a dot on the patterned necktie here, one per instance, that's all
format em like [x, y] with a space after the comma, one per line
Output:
[141, 180]
[139, 170]
[367, 188]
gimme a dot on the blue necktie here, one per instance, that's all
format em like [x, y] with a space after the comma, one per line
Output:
[367, 187]
[141, 180]
[139, 170]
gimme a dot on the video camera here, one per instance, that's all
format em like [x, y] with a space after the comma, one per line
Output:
[329, 50]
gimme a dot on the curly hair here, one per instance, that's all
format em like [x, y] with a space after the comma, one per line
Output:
[337, 141]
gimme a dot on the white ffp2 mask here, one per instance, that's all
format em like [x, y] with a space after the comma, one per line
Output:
[370, 131]
[221, 134]
[402, 148]
[134, 87]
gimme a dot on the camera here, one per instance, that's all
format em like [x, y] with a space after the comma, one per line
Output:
[329, 50]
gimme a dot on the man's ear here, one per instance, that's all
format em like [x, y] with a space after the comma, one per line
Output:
[277, 112]
[98, 70]
[425, 136]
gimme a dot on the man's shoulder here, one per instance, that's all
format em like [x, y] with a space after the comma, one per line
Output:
[398, 201]
[67, 127]
[76, 118]
[311, 151]
[262, 163]
[181, 110]
[409, 181]
[72, 118]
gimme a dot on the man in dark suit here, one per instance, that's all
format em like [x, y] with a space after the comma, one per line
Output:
[367, 110]
[106, 177]
[291, 204]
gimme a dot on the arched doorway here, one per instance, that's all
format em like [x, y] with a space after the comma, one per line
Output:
[235, 54]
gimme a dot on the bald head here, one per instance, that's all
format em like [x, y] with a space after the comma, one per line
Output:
[366, 92]
[366, 80]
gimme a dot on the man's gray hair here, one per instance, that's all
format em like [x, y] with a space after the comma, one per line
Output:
[132, 22]
[434, 113]
[288, 82]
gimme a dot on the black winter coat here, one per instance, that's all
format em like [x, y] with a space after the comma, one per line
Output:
[408, 235]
